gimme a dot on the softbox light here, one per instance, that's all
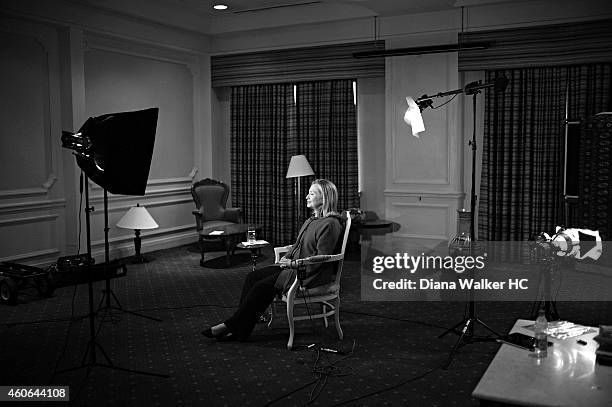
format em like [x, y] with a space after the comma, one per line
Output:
[115, 150]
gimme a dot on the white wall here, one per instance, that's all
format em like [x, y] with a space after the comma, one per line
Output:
[55, 74]
[372, 151]
[423, 182]
[221, 145]
[32, 199]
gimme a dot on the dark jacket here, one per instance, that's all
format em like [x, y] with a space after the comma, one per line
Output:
[316, 236]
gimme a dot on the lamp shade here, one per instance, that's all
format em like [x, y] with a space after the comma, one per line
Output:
[137, 218]
[413, 117]
[299, 167]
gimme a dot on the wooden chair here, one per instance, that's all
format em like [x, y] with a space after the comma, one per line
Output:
[328, 295]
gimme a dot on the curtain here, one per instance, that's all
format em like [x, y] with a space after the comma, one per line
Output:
[569, 43]
[261, 118]
[268, 127]
[327, 135]
[590, 92]
[521, 190]
[297, 65]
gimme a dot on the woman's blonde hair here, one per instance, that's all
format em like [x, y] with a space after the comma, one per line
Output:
[329, 194]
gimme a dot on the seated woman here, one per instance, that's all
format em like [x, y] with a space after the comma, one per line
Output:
[318, 235]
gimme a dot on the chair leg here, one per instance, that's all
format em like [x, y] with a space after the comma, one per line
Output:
[337, 319]
[272, 313]
[201, 251]
[228, 250]
[324, 308]
[291, 323]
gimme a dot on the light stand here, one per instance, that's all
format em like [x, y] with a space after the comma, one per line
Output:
[466, 334]
[114, 151]
[92, 344]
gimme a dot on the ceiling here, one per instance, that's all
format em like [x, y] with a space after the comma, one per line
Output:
[198, 15]
[379, 7]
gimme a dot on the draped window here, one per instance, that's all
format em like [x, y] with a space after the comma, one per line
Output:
[551, 68]
[521, 190]
[268, 127]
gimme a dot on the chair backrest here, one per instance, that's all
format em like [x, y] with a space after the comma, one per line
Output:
[210, 196]
[347, 229]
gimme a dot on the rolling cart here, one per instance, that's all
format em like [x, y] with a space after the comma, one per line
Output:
[15, 277]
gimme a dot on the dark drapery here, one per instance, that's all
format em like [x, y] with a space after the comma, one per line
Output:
[565, 44]
[261, 118]
[327, 135]
[521, 190]
[590, 93]
[294, 65]
[268, 127]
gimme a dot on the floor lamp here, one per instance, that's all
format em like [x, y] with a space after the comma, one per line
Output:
[298, 168]
[414, 119]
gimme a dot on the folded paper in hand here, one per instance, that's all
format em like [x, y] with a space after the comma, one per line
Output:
[216, 232]
[254, 242]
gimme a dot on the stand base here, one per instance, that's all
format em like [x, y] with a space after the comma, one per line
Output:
[109, 308]
[109, 365]
[466, 336]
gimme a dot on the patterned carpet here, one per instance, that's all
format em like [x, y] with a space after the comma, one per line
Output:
[395, 361]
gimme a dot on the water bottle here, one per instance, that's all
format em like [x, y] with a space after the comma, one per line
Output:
[541, 341]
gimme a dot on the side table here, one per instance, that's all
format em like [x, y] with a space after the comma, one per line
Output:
[254, 249]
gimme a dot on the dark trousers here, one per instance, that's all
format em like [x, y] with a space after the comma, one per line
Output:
[257, 294]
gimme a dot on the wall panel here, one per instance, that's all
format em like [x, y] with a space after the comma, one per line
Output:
[124, 76]
[423, 175]
[32, 201]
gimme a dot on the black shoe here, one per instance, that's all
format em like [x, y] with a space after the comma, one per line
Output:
[209, 334]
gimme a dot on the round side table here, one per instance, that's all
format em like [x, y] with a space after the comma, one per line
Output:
[254, 249]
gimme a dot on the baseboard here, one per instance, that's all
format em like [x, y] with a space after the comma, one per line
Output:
[119, 249]
[126, 249]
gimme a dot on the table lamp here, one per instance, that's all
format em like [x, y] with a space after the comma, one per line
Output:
[298, 167]
[137, 218]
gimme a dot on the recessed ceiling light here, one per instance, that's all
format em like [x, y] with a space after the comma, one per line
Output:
[220, 7]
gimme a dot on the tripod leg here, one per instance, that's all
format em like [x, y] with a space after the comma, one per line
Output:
[458, 344]
[554, 313]
[488, 327]
[120, 308]
[116, 300]
[452, 329]
[104, 353]
[101, 300]
[87, 350]
[141, 315]
[123, 369]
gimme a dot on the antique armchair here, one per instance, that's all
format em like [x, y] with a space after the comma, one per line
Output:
[327, 296]
[210, 197]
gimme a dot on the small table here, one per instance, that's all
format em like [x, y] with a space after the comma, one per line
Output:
[366, 228]
[254, 248]
[231, 235]
[569, 375]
